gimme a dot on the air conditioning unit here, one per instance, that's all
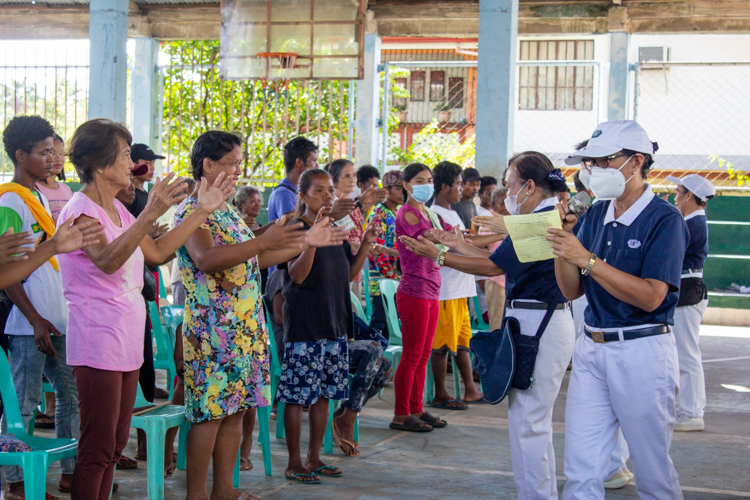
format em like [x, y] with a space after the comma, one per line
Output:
[654, 54]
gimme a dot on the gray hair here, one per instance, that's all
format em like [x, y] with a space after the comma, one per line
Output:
[497, 193]
[243, 193]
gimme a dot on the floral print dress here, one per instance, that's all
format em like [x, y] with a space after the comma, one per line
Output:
[224, 333]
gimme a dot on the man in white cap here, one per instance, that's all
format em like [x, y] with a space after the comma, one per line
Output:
[627, 260]
[692, 193]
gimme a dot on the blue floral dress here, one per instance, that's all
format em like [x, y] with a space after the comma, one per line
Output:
[224, 333]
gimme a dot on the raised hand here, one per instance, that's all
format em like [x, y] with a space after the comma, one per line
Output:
[495, 223]
[451, 239]
[373, 195]
[341, 208]
[164, 194]
[421, 246]
[13, 247]
[373, 230]
[158, 230]
[70, 237]
[566, 246]
[324, 234]
[569, 221]
[281, 236]
[211, 198]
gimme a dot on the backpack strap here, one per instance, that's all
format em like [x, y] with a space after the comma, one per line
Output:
[559, 298]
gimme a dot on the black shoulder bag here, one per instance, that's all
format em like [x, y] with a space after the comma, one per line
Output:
[527, 348]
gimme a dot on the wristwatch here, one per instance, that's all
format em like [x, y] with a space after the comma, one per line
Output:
[585, 272]
[440, 259]
[357, 203]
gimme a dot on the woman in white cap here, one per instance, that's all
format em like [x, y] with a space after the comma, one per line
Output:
[692, 193]
[627, 259]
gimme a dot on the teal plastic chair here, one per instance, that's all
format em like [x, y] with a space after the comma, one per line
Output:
[162, 289]
[388, 290]
[275, 372]
[165, 342]
[478, 324]
[173, 317]
[328, 437]
[43, 452]
[357, 305]
[155, 424]
[366, 292]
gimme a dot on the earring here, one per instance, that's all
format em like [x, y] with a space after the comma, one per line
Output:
[100, 170]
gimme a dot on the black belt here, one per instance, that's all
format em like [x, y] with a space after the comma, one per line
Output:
[691, 271]
[534, 306]
[602, 337]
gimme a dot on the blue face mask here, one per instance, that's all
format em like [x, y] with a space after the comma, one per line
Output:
[422, 192]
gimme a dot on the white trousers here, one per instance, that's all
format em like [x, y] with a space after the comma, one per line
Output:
[530, 411]
[630, 384]
[620, 454]
[691, 400]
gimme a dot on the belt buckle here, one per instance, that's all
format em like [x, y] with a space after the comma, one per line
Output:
[597, 337]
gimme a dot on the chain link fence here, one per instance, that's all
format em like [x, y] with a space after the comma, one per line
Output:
[699, 113]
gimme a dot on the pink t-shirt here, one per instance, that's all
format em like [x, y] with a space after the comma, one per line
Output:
[57, 197]
[500, 280]
[106, 312]
[420, 276]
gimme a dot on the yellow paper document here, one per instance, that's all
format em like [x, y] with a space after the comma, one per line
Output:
[528, 233]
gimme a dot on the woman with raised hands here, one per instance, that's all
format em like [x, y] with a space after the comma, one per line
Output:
[102, 285]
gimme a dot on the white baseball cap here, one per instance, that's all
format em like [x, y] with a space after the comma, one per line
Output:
[699, 186]
[611, 137]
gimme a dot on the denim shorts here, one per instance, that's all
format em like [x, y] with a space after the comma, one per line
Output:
[314, 369]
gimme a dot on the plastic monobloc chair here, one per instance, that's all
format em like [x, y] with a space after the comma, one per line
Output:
[43, 450]
[165, 342]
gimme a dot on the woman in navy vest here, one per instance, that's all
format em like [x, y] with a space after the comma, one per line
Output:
[532, 184]
[692, 193]
[627, 259]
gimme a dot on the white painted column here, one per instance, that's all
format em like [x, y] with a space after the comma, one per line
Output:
[496, 84]
[368, 105]
[144, 92]
[108, 37]
[617, 106]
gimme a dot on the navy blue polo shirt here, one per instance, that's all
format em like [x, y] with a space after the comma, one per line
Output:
[530, 280]
[697, 249]
[647, 241]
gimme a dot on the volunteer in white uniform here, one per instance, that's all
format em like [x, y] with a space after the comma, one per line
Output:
[530, 287]
[627, 259]
[692, 193]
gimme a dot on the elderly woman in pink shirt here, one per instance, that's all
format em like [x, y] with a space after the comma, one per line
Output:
[102, 285]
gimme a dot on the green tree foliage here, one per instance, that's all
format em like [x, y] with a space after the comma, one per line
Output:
[430, 146]
[196, 99]
[742, 178]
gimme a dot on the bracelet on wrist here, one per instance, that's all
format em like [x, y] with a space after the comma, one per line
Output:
[587, 270]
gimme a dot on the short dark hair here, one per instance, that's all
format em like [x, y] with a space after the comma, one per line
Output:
[214, 145]
[22, 132]
[305, 181]
[486, 181]
[95, 145]
[335, 168]
[648, 161]
[581, 144]
[580, 188]
[532, 165]
[413, 169]
[445, 173]
[367, 172]
[297, 148]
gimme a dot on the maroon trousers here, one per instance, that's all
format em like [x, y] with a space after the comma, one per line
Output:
[105, 404]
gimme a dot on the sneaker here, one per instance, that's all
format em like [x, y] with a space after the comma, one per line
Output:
[685, 423]
[619, 479]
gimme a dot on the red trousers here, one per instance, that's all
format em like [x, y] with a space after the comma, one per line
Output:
[419, 319]
[105, 404]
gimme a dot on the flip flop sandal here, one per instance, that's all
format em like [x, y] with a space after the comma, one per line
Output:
[444, 405]
[320, 470]
[248, 496]
[412, 424]
[244, 464]
[481, 401]
[126, 463]
[433, 420]
[341, 441]
[44, 425]
[169, 471]
[273, 415]
[302, 481]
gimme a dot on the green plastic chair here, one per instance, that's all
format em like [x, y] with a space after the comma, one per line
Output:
[43, 450]
[162, 289]
[165, 342]
[173, 317]
[275, 372]
[366, 292]
[328, 437]
[357, 305]
[155, 424]
[395, 349]
[478, 324]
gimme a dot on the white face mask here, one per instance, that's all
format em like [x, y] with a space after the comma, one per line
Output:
[585, 178]
[608, 183]
[511, 201]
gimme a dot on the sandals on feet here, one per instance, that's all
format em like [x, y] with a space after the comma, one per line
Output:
[340, 442]
[126, 463]
[433, 420]
[302, 474]
[451, 404]
[248, 496]
[44, 421]
[412, 424]
[246, 464]
[320, 470]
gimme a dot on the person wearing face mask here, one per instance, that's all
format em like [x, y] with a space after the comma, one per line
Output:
[627, 260]
[692, 193]
[531, 291]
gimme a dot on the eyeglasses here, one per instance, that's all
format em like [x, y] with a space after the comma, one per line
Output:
[603, 162]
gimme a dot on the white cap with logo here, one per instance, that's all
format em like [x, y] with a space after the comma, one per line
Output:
[612, 137]
[699, 186]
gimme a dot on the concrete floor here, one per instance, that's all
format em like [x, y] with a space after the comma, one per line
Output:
[471, 457]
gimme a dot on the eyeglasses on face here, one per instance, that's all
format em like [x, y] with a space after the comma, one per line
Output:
[603, 162]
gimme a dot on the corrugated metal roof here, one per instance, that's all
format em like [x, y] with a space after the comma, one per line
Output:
[86, 2]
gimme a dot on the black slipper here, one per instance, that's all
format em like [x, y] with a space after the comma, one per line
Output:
[433, 420]
[412, 424]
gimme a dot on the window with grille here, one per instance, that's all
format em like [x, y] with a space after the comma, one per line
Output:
[400, 101]
[417, 85]
[456, 92]
[556, 87]
[437, 85]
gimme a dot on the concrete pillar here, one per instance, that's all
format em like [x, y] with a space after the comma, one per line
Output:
[617, 102]
[368, 105]
[145, 92]
[108, 37]
[496, 84]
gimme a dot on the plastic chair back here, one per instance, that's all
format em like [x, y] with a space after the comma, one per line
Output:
[10, 400]
[275, 362]
[388, 290]
[366, 292]
[162, 289]
[357, 305]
